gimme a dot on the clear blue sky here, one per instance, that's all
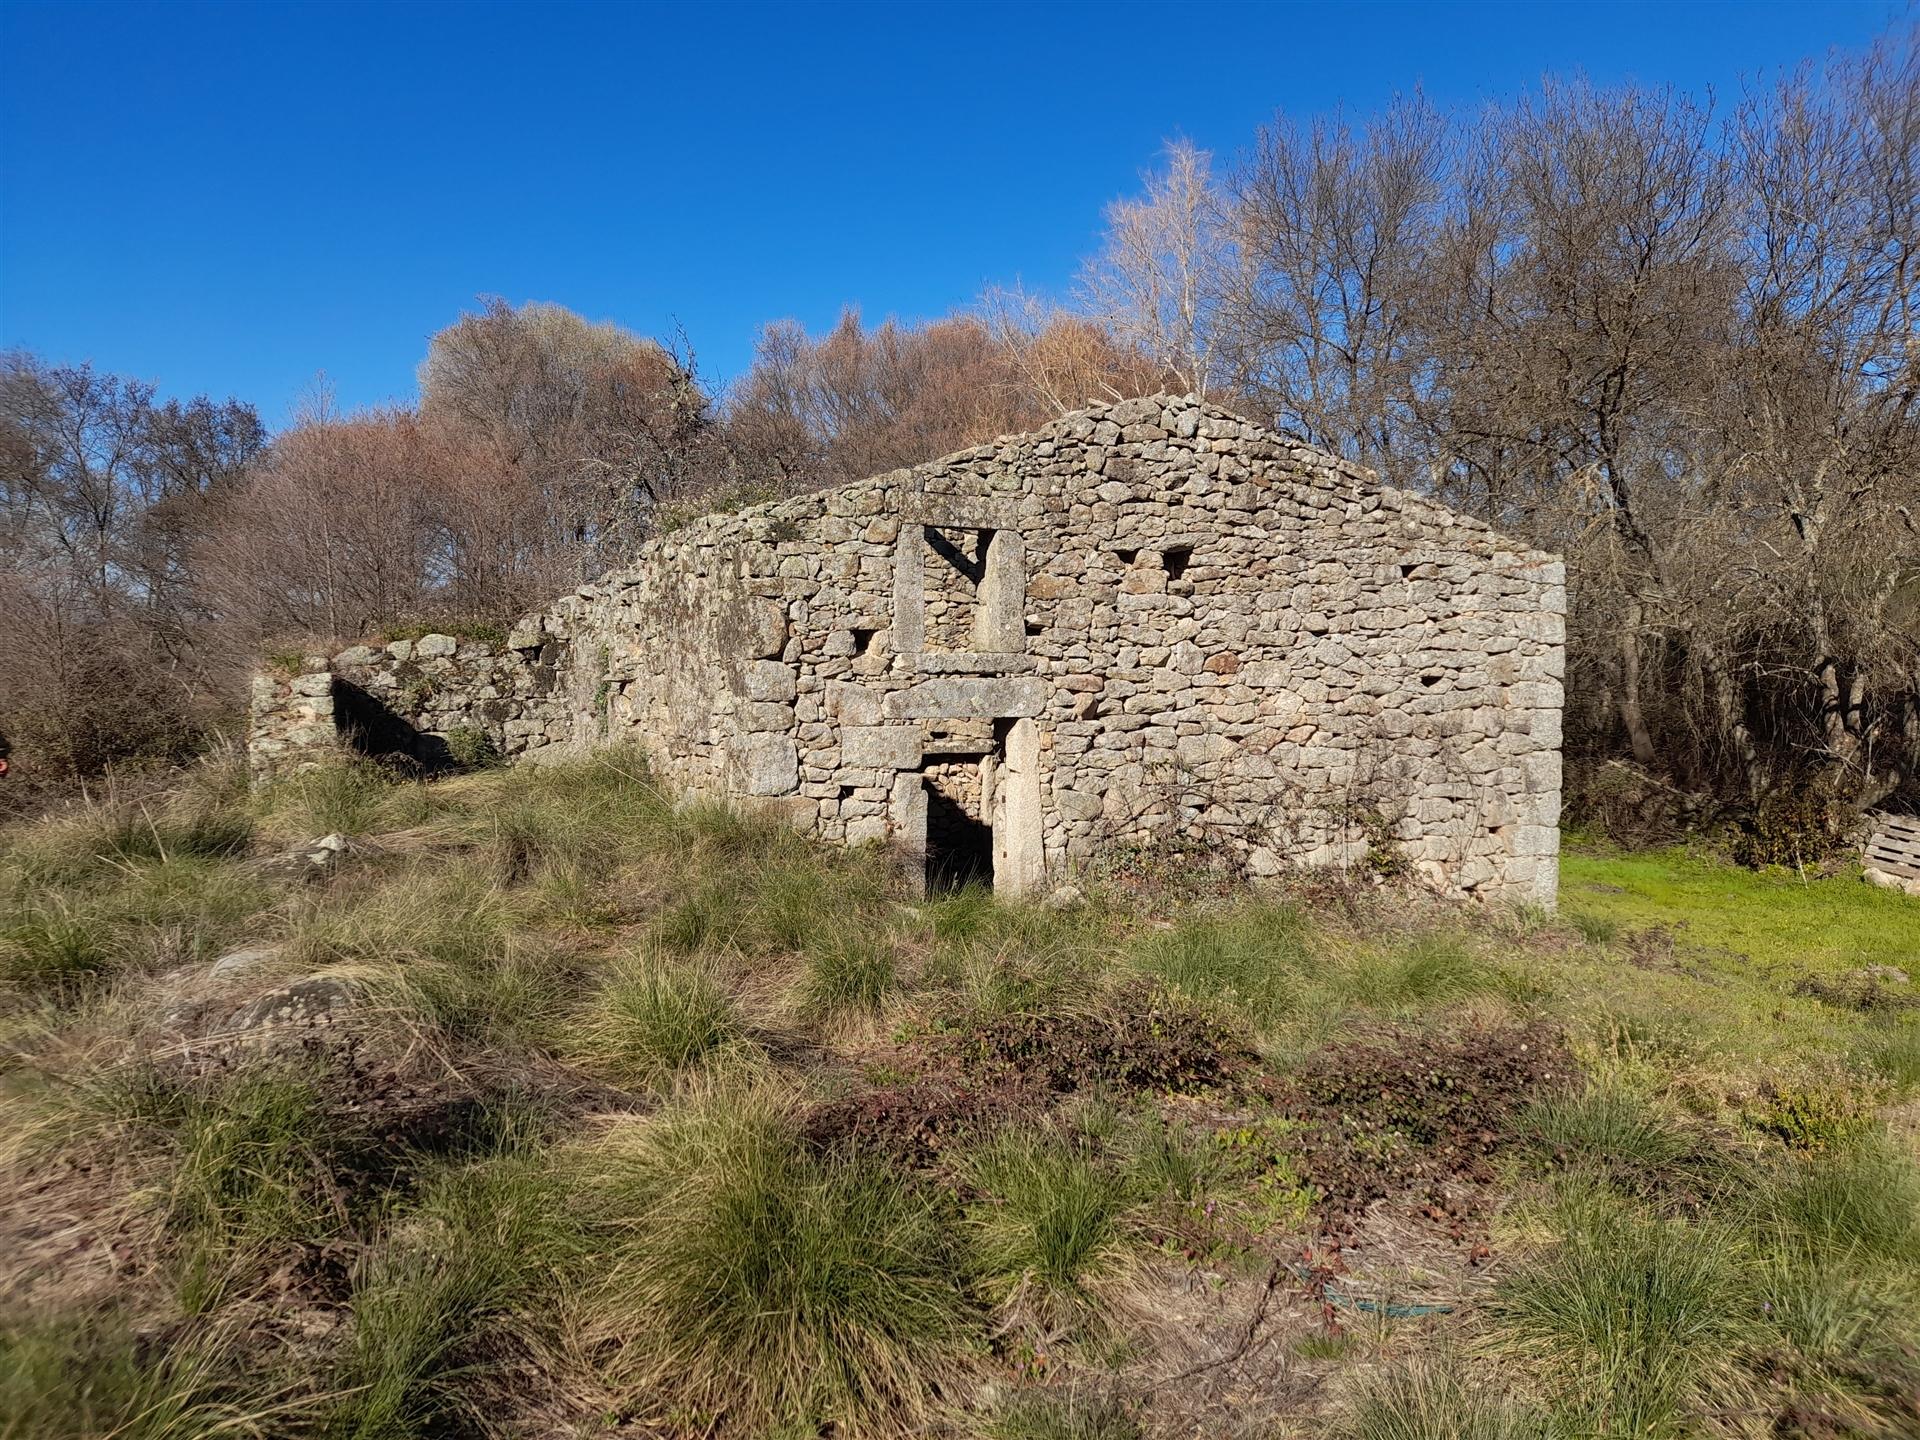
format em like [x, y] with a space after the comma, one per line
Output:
[235, 198]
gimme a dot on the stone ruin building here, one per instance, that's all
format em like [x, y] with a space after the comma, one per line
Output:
[1144, 623]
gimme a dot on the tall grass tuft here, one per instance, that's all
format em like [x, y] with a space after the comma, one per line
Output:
[462, 1279]
[246, 1175]
[98, 1375]
[753, 1281]
[654, 1021]
[348, 797]
[1169, 1160]
[97, 836]
[1836, 1314]
[999, 957]
[778, 894]
[1050, 1229]
[448, 952]
[1892, 1051]
[849, 970]
[1861, 1200]
[1609, 1125]
[1427, 1399]
[60, 940]
[580, 820]
[53, 945]
[1252, 957]
[1632, 1319]
[1064, 1415]
[1421, 973]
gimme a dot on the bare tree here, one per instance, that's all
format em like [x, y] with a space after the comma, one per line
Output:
[859, 401]
[592, 427]
[1674, 342]
[101, 494]
[1161, 277]
[1334, 234]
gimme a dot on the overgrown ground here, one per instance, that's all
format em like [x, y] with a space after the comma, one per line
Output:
[546, 1108]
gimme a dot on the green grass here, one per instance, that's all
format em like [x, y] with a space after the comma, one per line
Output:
[1630, 1320]
[994, 957]
[466, 1280]
[62, 938]
[744, 1180]
[246, 1177]
[49, 945]
[756, 1281]
[1771, 917]
[1170, 1160]
[202, 819]
[654, 1021]
[1251, 959]
[1419, 973]
[1608, 1124]
[850, 969]
[98, 1376]
[1892, 1053]
[348, 798]
[446, 951]
[1273, 964]
[771, 893]
[1426, 1399]
[1050, 1227]
[1064, 1415]
[1860, 1200]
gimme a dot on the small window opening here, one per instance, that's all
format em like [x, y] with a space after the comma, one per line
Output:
[955, 573]
[1176, 561]
[1127, 557]
[862, 639]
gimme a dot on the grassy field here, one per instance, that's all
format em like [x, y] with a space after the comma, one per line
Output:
[1776, 917]
[546, 1107]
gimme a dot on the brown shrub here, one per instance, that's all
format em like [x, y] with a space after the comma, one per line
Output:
[1144, 1039]
[1400, 1109]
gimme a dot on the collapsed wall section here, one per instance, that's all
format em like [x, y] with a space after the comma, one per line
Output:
[437, 702]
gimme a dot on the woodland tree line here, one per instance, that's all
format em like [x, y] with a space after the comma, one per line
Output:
[1671, 338]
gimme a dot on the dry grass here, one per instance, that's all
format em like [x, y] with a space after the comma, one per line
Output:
[651, 1116]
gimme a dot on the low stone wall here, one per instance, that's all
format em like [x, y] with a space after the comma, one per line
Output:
[438, 702]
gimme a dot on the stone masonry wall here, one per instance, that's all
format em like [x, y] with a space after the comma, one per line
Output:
[1147, 621]
[438, 700]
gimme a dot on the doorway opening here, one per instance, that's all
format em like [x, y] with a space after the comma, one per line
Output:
[959, 835]
[975, 807]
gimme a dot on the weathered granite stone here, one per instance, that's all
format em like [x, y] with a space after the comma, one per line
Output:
[770, 680]
[242, 962]
[769, 764]
[881, 747]
[956, 698]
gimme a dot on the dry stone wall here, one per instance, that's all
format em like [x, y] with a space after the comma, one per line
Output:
[438, 701]
[1147, 622]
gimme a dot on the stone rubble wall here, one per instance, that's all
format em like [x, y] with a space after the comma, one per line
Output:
[1202, 632]
[437, 699]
